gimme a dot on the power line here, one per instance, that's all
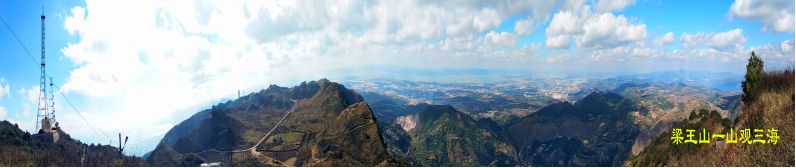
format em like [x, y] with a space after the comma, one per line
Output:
[81, 115]
[98, 131]
[19, 41]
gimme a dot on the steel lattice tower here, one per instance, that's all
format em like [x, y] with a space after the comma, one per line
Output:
[42, 109]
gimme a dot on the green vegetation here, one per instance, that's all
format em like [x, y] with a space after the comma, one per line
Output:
[284, 141]
[447, 137]
[659, 152]
[328, 125]
[753, 77]
[772, 108]
[768, 104]
[191, 160]
[19, 148]
[595, 131]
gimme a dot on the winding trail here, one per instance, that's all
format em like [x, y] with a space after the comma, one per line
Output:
[247, 149]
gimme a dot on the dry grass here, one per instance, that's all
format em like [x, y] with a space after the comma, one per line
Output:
[773, 107]
[780, 80]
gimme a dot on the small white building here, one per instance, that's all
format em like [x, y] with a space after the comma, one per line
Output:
[212, 164]
[50, 129]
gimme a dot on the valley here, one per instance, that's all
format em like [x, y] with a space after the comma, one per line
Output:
[397, 83]
[408, 123]
[537, 121]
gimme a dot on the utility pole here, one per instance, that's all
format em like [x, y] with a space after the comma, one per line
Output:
[121, 147]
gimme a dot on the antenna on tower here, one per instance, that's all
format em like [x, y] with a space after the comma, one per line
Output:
[52, 104]
[42, 109]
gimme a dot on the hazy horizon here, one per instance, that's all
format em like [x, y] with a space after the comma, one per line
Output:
[140, 67]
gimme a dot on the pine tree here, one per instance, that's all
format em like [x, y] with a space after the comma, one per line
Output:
[754, 74]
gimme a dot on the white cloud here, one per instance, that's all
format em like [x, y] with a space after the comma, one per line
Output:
[729, 39]
[574, 5]
[31, 96]
[502, 39]
[74, 23]
[589, 30]
[630, 54]
[666, 39]
[144, 67]
[3, 113]
[524, 26]
[776, 56]
[567, 23]
[612, 5]
[4, 89]
[776, 15]
[273, 25]
[537, 11]
[608, 31]
[26, 118]
[487, 19]
[693, 58]
[732, 40]
[146, 61]
[787, 46]
[691, 41]
[562, 26]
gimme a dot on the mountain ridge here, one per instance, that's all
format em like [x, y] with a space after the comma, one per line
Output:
[596, 130]
[307, 137]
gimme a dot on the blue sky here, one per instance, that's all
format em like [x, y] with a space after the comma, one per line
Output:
[139, 67]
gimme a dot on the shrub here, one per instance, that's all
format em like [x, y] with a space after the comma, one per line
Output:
[754, 74]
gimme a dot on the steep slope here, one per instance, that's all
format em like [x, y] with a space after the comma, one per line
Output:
[773, 108]
[440, 135]
[185, 127]
[19, 148]
[661, 149]
[350, 139]
[662, 104]
[324, 120]
[595, 131]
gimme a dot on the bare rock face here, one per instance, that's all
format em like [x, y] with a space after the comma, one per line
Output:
[407, 122]
[327, 125]
[352, 139]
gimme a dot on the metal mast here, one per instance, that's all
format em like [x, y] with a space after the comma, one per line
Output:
[42, 110]
[52, 104]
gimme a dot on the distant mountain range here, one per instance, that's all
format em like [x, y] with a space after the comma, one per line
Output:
[328, 125]
[722, 81]
[597, 130]
[648, 109]
[773, 108]
[604, 127]
[322, 130]
[610, 122]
